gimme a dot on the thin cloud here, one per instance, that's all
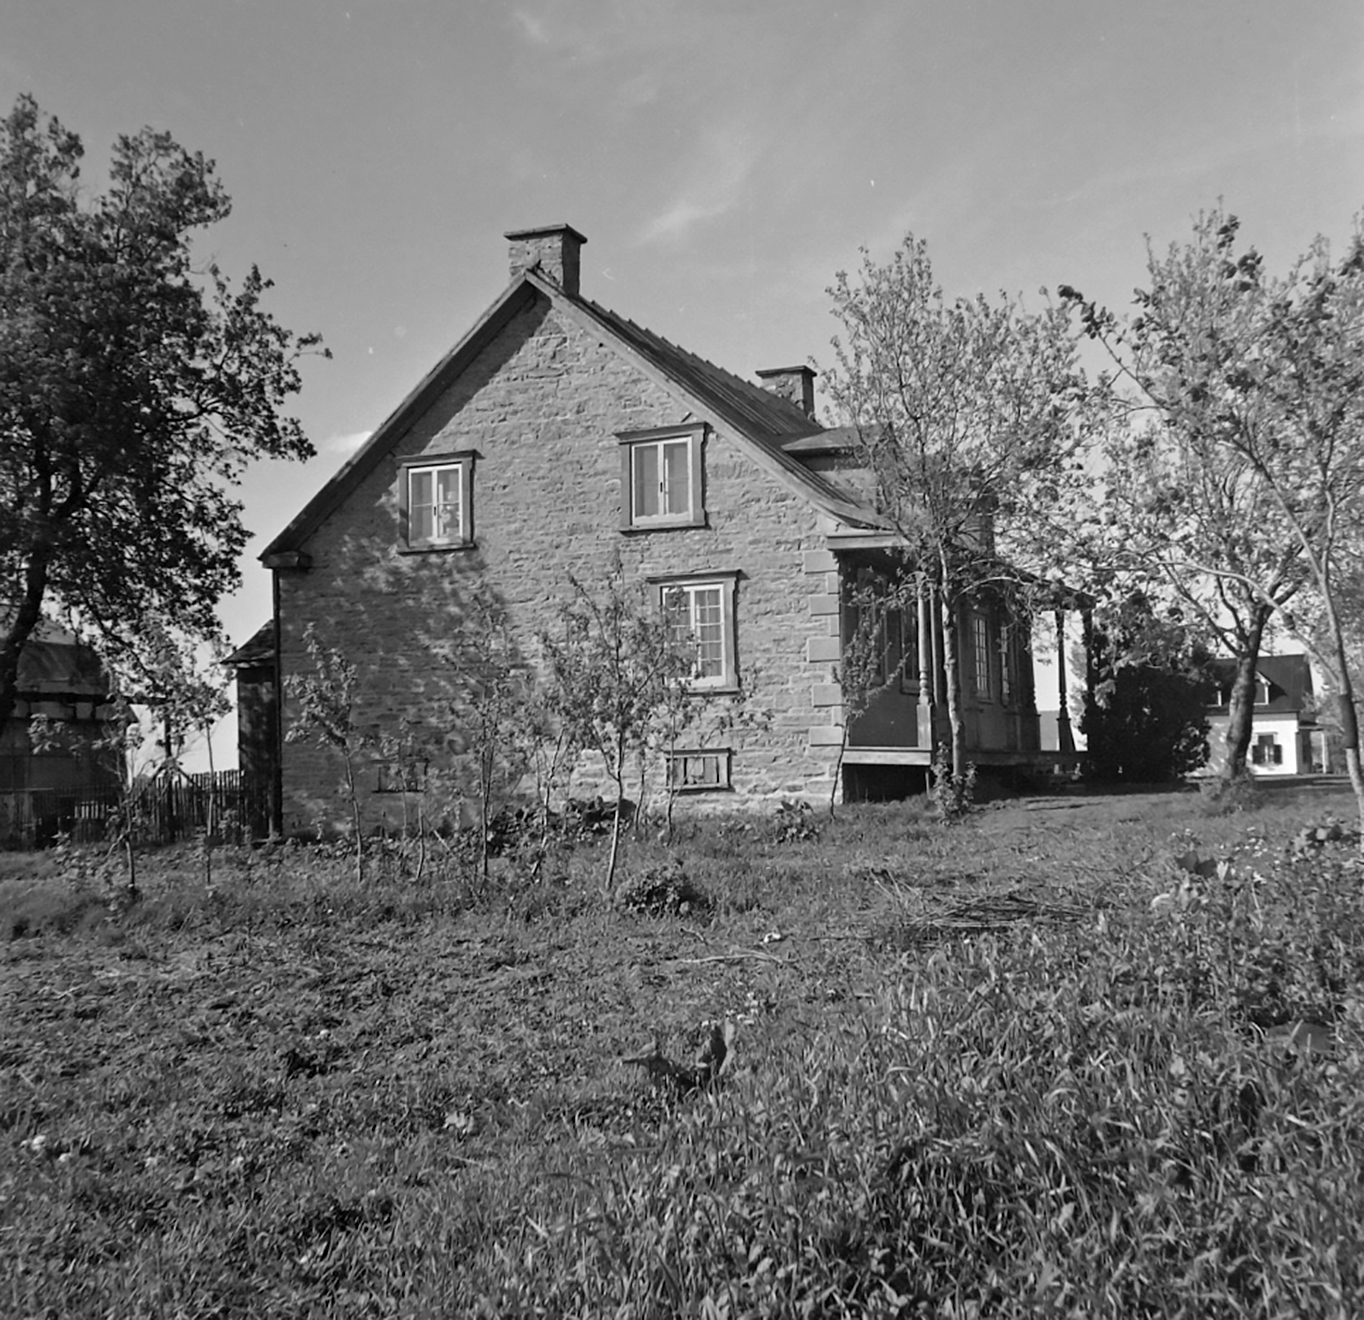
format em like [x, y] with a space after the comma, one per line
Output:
[593, 32]
[344, 445]
[712, 183]
[531, 27]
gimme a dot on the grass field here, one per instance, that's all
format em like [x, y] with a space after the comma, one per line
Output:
[1073, 1056]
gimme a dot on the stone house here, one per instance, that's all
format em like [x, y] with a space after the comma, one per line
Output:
[557, 438]
[1285, 738]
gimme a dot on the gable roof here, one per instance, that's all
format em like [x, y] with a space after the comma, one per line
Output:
[258, 649]
[1288, 677]
[53, 662]
[760, 420]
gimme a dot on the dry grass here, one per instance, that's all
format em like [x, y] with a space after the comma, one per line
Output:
[1042, 1062]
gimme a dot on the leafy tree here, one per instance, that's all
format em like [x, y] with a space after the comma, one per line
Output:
[1146, 722]
[1270, 383]
[496, 722]
[133, 390]
[966, 415]
[327, 718]
[616, 675]
[1184, 501]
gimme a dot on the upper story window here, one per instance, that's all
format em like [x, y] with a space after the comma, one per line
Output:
[436, 503]
[661, 483]
[700, 615]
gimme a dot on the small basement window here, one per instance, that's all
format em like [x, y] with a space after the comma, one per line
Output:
[700, 771]
[661, 483]
[436, 502]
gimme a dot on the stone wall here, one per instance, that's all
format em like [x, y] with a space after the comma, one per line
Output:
[539, 411]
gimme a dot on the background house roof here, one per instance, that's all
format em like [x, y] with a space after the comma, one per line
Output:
[54, 663]
[1289, 678]
[258, 649]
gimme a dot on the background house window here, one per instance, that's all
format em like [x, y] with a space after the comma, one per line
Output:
[436, 505]
[1267, 750]
[700, 615]
[661, 478]
[699, 771]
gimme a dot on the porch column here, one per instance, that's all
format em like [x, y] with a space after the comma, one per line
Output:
[1065, 739]
[925, 643]
[925, 710]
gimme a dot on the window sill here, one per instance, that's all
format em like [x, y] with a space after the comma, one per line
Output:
[729, 690]
[692, 790]
[437, 549]
[665, 525]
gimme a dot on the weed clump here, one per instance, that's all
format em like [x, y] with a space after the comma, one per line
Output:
[663, 891]
[1229, 797]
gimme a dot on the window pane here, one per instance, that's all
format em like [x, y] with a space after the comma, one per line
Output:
[677, 476]
[421, 484]
[981, 646]
[645, 460]
[434, 507]
[708, 625]
[445, 516]
[677, 609]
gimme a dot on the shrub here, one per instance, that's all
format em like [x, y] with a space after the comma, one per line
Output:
[663, 891]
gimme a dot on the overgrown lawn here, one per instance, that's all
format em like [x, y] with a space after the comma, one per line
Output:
[1073, 1056]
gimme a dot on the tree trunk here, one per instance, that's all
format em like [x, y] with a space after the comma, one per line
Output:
[619, 780]
[1349, 724]
[952, 676]
[355, 818]
[17, 631]
[1241, 706]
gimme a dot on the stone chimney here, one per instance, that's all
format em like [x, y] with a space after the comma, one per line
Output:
[553, 249]
[794, 384]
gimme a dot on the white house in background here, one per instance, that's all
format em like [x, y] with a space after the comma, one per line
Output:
[1285, 738]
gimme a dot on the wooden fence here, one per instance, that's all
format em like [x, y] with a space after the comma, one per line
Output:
[162, 810]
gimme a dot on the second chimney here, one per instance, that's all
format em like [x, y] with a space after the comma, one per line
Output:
[794, 384]
[553, 249]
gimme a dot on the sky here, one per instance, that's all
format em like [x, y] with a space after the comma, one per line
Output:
[724, 158]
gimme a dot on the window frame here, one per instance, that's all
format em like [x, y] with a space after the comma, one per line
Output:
[982, 671]
[463, 464]
[631, 443]
[728, 679]
[676, 757]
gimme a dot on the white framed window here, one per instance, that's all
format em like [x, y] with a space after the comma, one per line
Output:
[700, 615]
[661, 478]
[699, 770]
[436, 502]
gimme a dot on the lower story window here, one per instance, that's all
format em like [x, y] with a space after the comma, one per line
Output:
[1267, 750]
[700, 615]
[699, 771]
